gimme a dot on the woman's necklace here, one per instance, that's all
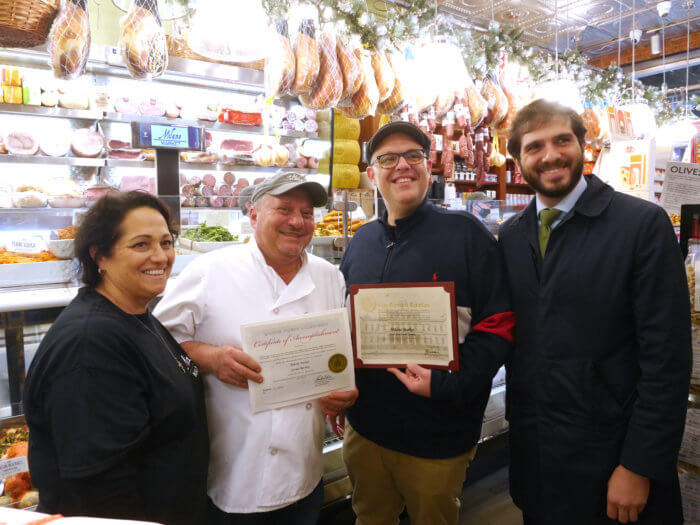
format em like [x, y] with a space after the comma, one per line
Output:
[188, 367]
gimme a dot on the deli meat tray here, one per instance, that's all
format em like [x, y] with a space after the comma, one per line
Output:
[24, 517]
[24, 274]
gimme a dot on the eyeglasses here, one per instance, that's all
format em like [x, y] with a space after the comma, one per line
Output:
[389, 160]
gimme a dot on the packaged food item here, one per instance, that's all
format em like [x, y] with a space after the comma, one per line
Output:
[12, 94]
[142, 41]
[496, 98]
[364, 102]
[280, 63]
[11, 77]
[350, 67]
[69, 40]
[397, 99]
[383, 74]
[54, 145]
[31, 91]
[29, 199]
[328, 88]
[21, 143]
[308, 60]
[73, 97]
[87, 143]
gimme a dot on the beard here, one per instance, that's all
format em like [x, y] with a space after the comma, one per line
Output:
[555, 190]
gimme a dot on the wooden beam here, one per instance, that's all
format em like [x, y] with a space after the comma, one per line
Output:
[674, 46]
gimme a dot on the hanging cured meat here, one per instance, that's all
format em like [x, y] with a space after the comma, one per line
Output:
[396, 100]
[308, 60]
[328, 89]
[383, 74]
[350, 67]
[69, 40]
[142, 41]
[497, 100]
[280, 64]
[364, 102]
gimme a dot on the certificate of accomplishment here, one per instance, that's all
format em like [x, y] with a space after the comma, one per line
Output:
[393, 324]
[301, 358]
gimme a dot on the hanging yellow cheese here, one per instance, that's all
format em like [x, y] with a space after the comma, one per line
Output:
[324, 165]
[346, 152]
[346, 128]
[346, 176]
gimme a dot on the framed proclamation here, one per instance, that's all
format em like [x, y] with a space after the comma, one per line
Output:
[397, 323]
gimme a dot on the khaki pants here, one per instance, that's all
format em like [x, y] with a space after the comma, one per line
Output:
[384, 481]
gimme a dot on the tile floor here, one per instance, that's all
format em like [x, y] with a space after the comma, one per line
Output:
[487, 502]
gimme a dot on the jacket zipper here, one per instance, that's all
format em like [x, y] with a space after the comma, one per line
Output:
[389, 248]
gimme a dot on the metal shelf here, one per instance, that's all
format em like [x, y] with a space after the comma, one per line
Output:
[185, 166]
[55, 161]
[45, 209]
[124, 163]
[208, 125]
[43, 111]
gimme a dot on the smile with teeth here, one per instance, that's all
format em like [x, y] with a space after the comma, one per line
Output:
[403, 179]
[154, 272]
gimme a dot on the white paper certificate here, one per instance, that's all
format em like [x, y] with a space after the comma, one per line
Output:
[301, 359]
[398, 323]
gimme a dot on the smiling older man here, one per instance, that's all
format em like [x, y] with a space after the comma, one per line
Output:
[412, 435]
[265, 467]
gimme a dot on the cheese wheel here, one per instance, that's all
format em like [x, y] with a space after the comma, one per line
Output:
[346, 128]
[346, 152]
[346, 176]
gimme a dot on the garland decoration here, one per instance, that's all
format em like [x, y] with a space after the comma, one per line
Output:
[396, 25]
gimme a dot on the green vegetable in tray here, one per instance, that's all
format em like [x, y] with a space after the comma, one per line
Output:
[204, 233]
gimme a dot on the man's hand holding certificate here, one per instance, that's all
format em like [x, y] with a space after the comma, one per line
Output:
[300, 359]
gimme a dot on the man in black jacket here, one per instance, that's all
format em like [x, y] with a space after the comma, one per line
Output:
[413, 433]
[598, 379]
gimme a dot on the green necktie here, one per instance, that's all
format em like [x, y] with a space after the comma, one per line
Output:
[547, 217]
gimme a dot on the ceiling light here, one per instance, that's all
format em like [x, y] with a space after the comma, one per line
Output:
[655, 44]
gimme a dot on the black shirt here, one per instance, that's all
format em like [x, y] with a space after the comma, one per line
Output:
[117, 425]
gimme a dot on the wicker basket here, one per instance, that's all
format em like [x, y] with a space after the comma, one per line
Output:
[26, 23]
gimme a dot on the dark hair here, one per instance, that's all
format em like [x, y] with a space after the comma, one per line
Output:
[536, 114]
[101, 228]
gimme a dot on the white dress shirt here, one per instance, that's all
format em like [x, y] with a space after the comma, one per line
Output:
[566, 204]
[264, 461]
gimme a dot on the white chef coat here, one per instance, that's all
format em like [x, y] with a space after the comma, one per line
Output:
[264, 461]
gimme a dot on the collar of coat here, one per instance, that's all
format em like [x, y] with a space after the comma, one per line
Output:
[410, 220]
[592, 202]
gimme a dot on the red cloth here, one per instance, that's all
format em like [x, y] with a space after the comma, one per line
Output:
[502, 324]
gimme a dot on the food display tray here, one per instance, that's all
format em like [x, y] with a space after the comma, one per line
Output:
[23, 274]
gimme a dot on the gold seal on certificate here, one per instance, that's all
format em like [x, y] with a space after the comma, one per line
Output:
[393, 324]
[301, 359]
[337, 363]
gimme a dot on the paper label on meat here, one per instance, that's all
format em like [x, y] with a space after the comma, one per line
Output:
[10, 467]
[438, 142]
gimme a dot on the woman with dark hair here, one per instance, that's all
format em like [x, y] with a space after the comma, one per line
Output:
[115, 409]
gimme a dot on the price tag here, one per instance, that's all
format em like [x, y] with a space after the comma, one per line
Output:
[26, 245]
[438, 142]
[9, 467]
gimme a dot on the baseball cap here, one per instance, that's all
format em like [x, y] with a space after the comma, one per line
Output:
[244, 198]
[398, 126]
[285, 181]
